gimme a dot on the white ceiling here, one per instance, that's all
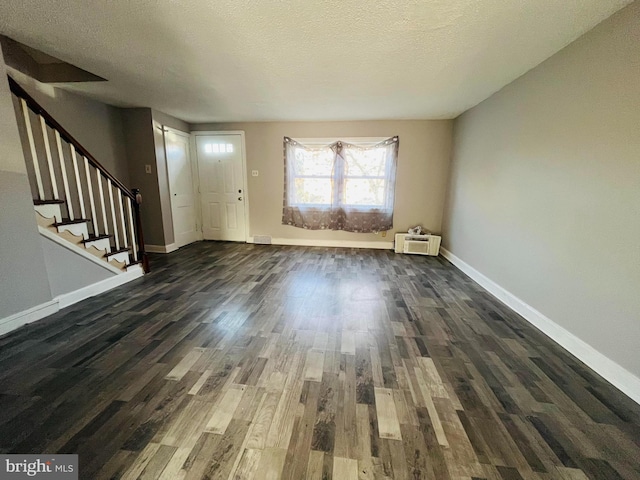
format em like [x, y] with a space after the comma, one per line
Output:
[241, 60]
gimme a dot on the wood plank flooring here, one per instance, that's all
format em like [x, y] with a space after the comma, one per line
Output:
[233, 361]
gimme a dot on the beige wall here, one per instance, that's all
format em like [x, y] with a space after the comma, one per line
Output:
[421, 178]
[545, 188]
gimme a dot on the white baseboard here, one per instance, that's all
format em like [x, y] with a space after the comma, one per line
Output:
[328, 243]
[67, 299]
[32, 314]
[172, 247]
[617, 375]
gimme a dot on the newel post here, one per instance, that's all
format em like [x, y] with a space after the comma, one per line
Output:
[139, 234]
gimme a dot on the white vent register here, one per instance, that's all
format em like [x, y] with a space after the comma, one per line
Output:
[417, 244]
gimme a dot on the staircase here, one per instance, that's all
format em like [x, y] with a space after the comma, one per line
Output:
[78, 203]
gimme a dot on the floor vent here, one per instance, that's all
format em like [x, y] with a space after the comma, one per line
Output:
[262, 239]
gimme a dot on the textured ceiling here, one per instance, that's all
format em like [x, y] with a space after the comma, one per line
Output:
[232, 60]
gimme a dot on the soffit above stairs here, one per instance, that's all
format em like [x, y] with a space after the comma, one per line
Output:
[44, 68]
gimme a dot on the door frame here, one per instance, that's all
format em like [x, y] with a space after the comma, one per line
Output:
[195, 186]
[245, 189]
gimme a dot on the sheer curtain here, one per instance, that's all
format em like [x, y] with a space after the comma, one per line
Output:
[341, 186]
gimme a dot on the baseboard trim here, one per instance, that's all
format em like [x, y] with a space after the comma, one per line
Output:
[68, 299]
[172, 247]
[30, 315]
[300, 242]
[618, 376]
[65, 300]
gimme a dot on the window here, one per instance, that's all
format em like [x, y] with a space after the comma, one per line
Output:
[218, 148]
[325, 184]
[365, 177]
[312, 176]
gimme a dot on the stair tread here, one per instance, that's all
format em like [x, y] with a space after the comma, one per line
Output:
[48, 202]
[96, 238]
[114, 252]
[67, 221]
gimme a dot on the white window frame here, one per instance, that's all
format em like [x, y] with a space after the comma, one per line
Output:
[323, 142]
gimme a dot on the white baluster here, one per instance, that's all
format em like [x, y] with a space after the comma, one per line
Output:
[32, 147]
[122, 221]
[133, 231]
[94, 217]
[47, 150]
[113, 214]
[65, 180]
[104, 211]
[76, 172]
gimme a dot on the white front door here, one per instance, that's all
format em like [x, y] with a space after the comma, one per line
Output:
[183, 199]
[222, 178]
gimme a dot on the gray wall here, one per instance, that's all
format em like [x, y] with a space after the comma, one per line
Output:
[169, 121]
[544, 192]
[68, 271]
[140, 144]
[23, 278]
[97, 126]
[145, 146]
[423, 165]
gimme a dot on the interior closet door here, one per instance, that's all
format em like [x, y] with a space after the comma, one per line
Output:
[181, 189]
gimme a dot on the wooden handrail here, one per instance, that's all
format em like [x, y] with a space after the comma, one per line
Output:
[134, 194]
[38, 109]
[141, 250]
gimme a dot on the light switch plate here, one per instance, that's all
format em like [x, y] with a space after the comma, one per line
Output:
[147, 168]
[254, 173]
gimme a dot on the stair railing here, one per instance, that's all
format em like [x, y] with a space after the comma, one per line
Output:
[86, 184]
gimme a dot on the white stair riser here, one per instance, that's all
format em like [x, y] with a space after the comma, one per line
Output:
[102, 244]
[50, 211]
[77, 229]
[120, 257]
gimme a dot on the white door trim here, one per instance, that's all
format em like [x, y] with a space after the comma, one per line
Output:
[195, 186]
[245, 188]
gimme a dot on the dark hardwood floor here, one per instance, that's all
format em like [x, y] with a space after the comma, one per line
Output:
[248, 361]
